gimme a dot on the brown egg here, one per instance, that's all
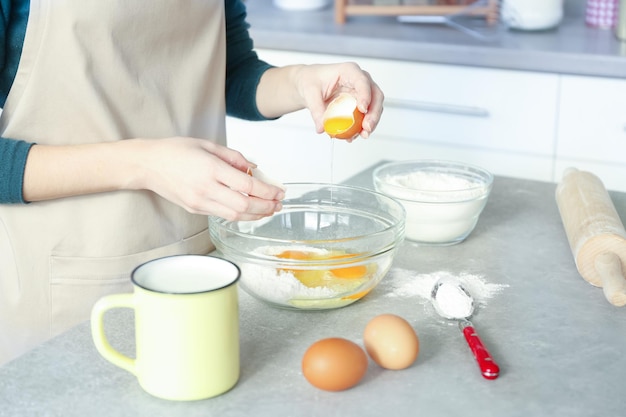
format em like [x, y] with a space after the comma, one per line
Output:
[334, 364]
[391, 342]
[342, 119]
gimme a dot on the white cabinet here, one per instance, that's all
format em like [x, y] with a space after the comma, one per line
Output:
[592, 128]
[502, 120]
[287, 149]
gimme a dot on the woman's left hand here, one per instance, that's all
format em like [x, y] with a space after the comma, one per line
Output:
[319, 84]
[286, 89]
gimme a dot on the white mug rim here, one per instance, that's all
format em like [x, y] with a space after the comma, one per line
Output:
[230, 282]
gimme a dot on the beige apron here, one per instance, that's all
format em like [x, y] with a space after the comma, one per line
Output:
[98, 71]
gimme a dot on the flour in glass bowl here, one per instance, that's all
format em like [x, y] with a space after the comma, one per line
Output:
[276, 286]
[280, 286]
[443, 200]
[433, 187]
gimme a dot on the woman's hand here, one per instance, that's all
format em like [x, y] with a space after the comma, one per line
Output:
[206, 178]
[319, 84]
[290, 88]
[198, 175]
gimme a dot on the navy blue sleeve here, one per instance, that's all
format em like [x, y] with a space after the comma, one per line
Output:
[243, 66]
[13, 19]
[13, 153]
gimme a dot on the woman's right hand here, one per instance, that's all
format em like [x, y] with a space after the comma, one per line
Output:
[196, 174]
[206, 178]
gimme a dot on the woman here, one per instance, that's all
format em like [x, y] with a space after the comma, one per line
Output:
[113, 144]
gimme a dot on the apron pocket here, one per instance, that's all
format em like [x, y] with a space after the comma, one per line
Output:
[76, 283]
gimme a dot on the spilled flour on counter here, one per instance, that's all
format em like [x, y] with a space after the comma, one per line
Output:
[406, 283]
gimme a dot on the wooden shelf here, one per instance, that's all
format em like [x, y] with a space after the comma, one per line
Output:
[345, 8]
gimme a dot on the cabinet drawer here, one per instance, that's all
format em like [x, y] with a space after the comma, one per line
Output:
[592, 124]
[297, 154]
[476, 107]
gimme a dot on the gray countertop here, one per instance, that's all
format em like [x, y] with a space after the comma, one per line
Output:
[571, 48]
[560, 345]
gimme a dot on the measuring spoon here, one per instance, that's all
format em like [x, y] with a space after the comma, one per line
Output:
[453, 301]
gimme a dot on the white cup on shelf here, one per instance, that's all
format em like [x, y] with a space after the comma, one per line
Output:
[301, 4]
[532, 14]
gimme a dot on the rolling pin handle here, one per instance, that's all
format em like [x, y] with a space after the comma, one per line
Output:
[569, 170]
[609, 267]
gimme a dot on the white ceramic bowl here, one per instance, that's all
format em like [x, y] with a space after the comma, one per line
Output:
[301, 4]
[327, 248]
[443, 199]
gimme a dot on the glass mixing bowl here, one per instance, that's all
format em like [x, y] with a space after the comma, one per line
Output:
[443, 199]
[328, 247]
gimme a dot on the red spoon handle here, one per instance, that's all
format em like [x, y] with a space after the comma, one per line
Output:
[488, 366]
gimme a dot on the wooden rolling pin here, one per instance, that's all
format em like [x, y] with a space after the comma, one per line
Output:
[595, 232]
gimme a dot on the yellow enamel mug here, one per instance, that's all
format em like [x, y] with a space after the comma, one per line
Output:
[186, 327]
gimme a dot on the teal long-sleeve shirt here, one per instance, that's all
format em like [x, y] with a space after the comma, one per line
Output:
[243, 71]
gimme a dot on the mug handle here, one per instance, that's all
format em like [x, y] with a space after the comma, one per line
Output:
[97, 329]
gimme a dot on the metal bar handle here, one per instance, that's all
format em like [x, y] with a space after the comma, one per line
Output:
[437, 107]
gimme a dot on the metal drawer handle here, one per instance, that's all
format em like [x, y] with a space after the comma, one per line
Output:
[438, 107]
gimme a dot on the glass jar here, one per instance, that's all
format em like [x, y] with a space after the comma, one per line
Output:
[601, 14]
